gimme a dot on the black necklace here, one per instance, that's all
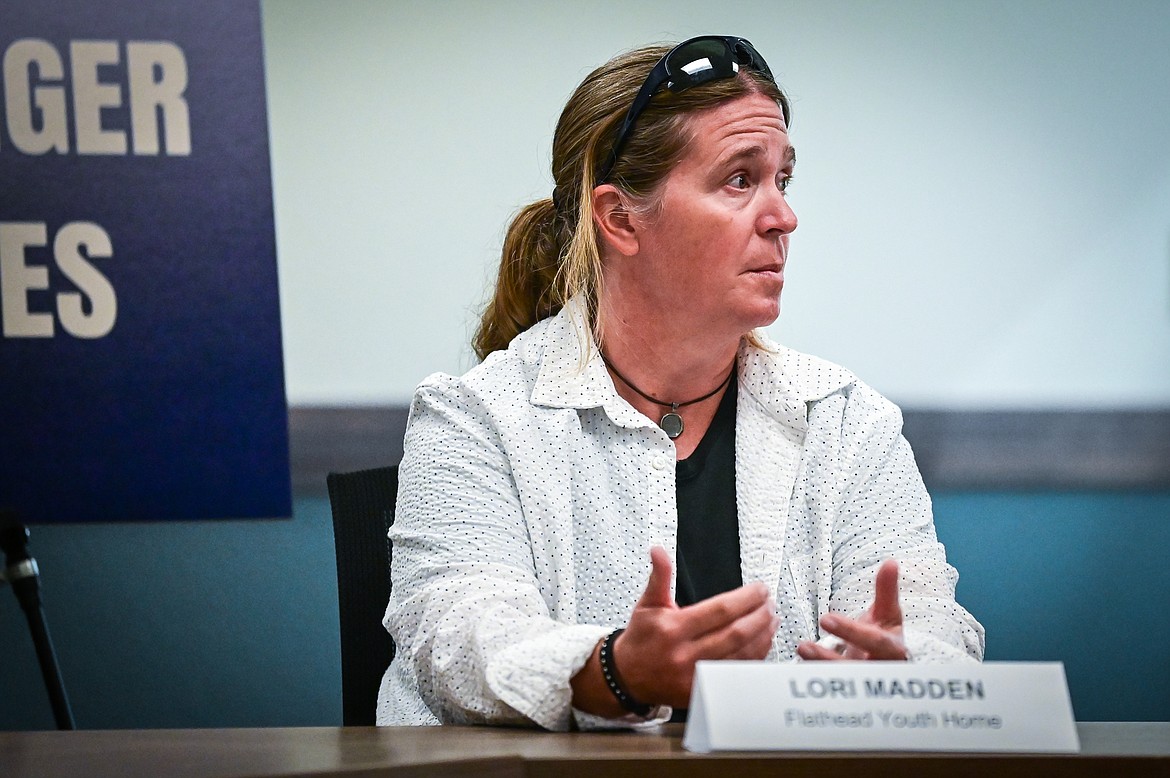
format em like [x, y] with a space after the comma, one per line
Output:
[670, 422]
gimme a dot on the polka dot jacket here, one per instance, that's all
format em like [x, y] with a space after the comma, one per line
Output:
[530, 494]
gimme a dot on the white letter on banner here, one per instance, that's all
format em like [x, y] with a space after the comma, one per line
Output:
[90, 96]
[151, 97]
[104, 304]
[20, 98]
[17, 278]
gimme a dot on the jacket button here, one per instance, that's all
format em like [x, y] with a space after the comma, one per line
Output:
[660, 462]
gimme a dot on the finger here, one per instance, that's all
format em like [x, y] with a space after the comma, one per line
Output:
[727, 642]
[886, 609]
[657, 594]
[759, 646]
[816, 652]
[721, 610]
[874, 641]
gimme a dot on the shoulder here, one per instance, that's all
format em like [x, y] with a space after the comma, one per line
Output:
[801, 377]
[504, 379]
[831, 393]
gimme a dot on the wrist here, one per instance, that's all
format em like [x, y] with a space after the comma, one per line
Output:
[613, 678]
[590, 694]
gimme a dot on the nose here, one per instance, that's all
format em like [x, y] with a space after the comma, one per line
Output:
[776, 215]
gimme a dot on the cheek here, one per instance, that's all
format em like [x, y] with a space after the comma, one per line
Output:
[703, 246]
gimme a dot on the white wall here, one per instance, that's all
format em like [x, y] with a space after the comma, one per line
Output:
[983, 187]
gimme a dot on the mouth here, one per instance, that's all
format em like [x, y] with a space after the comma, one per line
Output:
[772, 270]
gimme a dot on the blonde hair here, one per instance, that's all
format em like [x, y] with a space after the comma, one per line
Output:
[551, 251]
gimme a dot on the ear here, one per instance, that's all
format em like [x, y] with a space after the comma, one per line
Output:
[614, 225]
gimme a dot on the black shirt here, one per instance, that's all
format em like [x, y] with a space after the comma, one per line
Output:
[708, 522]
[707, 556]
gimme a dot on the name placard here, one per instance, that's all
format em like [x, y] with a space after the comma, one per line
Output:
[880, 706]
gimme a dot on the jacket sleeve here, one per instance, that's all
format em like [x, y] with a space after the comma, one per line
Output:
[466, 607]
[885, 512]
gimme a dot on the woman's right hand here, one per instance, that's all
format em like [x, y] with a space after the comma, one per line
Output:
[656, 655]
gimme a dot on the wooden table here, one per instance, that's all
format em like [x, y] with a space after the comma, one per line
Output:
[1107, 749]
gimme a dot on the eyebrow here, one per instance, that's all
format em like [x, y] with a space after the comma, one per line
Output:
[756, 150]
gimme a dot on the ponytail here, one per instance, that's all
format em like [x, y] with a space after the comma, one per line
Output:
[547, 259]
[526, 287]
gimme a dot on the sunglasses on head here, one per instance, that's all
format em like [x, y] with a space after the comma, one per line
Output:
[690, 63]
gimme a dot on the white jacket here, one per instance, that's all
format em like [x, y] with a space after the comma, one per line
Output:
[530, 494]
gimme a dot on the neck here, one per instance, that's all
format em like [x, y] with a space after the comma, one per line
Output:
[646, 358]
[673, 404]
[661, 356]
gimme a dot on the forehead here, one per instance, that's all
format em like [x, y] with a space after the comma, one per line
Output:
[752, 118]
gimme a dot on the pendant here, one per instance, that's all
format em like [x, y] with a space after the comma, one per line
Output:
[672, 423]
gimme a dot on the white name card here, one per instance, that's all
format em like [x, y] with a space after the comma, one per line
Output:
[880, 706]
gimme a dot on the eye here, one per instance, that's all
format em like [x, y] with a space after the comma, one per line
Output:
[785, 182]
[739, 181]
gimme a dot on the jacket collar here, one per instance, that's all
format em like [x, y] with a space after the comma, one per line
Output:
[572, 375]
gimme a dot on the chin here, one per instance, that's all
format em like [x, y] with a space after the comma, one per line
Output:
[761, 316]
[746, 312]
[768, 312]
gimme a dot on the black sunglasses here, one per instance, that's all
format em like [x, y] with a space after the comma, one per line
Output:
[690, 63]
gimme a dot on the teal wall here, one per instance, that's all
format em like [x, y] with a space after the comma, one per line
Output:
[234, 623]
[193, 624]
[1079, 578]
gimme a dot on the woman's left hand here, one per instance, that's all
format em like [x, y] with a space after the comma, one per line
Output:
[877, 634]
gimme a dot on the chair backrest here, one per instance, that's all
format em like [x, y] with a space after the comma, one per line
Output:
[363, 510]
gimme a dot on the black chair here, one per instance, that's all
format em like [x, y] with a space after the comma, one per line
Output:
[363, 510]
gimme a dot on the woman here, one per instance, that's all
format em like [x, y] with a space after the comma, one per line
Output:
[635, 478]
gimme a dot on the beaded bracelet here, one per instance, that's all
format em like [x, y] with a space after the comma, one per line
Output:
[609, 670]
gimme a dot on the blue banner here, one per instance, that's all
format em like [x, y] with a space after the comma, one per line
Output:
[141, 375]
